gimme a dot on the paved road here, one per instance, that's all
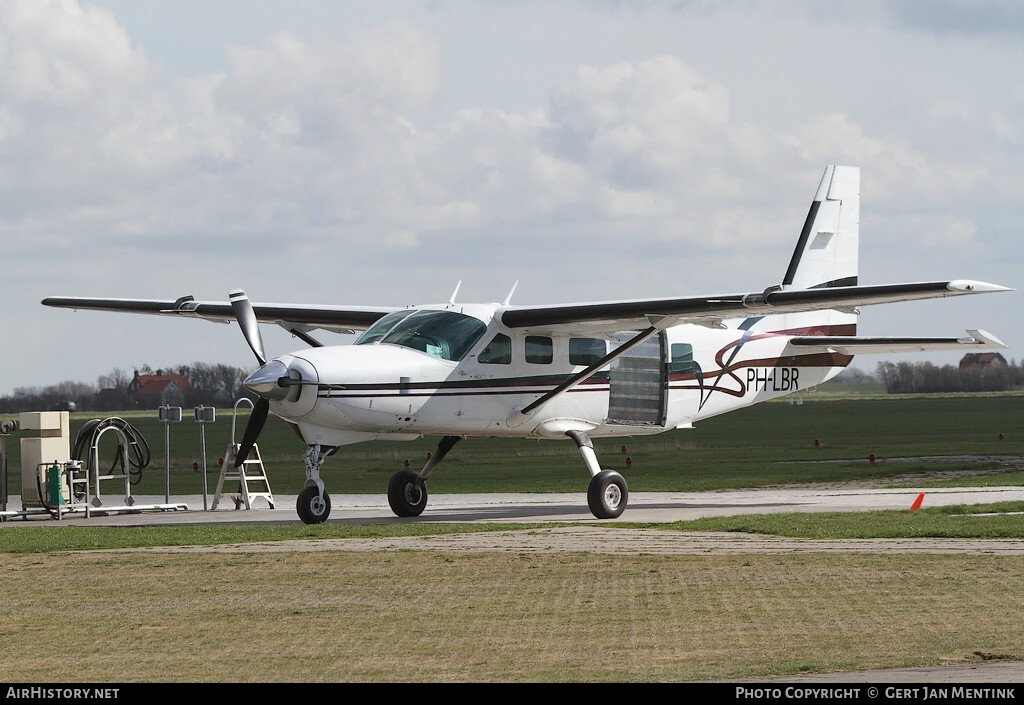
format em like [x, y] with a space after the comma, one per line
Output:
[654, 507]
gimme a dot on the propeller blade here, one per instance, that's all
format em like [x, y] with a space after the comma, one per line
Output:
[246, 318]
[260, 410]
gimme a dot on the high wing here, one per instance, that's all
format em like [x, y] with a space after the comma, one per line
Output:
[612, 316]
[583, 318]
[295, 318]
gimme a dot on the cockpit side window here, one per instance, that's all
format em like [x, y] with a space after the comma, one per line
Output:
[497, 352]
[382, 327]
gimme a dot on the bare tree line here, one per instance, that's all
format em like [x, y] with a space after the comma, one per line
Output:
[209, 384]
[221, 385]
[927, 378]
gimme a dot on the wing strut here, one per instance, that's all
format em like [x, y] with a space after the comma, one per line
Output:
[518, 417]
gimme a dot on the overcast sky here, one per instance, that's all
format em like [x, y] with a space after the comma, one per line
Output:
[379, 153]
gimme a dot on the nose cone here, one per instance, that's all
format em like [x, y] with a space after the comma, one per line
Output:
[264, 381]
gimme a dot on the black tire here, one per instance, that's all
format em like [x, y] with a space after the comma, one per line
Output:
[311, 510]
[407, 494]
[607, 494]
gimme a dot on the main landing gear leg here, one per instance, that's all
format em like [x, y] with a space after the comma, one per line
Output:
[607, 494]
[313, 504]
[407, 491]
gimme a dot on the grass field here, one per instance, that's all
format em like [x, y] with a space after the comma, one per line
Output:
[425, 616]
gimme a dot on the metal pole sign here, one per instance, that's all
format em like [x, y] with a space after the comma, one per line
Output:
[6, 427]
[204, 415]
[169, 415]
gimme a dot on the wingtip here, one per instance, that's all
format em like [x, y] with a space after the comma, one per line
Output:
[986, 339]
[969, 286]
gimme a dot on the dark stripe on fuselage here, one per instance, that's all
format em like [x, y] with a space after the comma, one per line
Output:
[815, 360]
[832, 330]
[519, 386]
[503, 385]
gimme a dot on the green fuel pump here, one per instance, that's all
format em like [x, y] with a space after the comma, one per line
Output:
[53, 488]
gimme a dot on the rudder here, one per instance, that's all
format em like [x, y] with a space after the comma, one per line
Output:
[826, 253]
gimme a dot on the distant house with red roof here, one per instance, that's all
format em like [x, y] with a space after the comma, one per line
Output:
[153, 391]
[982, 361]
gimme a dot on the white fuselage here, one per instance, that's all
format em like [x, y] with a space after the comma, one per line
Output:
[379, 389]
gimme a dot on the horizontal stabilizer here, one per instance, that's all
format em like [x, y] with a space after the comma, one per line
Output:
[860, 345]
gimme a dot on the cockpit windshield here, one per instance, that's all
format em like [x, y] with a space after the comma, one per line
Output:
[444, 334]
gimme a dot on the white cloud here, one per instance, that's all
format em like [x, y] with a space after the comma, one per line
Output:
[634, 123]
[57, 55]
[345, 164]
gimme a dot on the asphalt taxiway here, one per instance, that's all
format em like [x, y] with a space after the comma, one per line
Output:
[644, 507]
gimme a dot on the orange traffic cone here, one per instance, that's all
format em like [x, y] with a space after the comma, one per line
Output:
[917, 502]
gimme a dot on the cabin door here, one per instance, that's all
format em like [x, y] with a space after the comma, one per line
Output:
[638, 385]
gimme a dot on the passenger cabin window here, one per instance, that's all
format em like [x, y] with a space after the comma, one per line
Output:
[586, 351]
[539, 349]
[497, 352]
[444, 334]
[682, 358]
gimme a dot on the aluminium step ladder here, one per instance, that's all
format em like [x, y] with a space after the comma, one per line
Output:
[250, 471]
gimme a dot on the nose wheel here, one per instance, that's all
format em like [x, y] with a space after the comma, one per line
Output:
[313, 503]
[313, 508]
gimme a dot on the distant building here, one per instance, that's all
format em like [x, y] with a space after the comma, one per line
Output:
[153, 391]
[982, 361]
[110, 399]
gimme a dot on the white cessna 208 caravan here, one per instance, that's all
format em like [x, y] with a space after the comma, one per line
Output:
[577, 371]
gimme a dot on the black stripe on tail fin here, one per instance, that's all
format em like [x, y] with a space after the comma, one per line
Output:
[826, 252]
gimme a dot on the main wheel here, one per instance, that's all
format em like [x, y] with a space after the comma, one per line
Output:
[607, 494]
[311, 508]
[407, 494]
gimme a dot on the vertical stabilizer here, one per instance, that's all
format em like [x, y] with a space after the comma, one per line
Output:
[826, 253]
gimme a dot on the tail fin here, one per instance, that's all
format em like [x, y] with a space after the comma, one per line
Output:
[826, 254]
